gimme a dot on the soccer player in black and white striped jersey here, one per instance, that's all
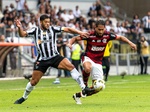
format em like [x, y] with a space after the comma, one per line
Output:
[45, 42]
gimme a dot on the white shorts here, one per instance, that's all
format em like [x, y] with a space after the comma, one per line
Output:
[97, 71]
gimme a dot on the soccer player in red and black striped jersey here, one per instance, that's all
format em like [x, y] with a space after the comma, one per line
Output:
[44, 38]
[92, 59]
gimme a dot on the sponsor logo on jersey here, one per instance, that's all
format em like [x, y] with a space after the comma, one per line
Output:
[44, 33]
[104, 40]
[94, 48]
[92, 36]
[96, 40]
[105, 36]
[93, 40]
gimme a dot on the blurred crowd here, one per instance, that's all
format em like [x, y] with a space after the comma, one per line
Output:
[71, 18]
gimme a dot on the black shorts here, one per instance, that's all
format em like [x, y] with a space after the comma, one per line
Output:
[45, 64]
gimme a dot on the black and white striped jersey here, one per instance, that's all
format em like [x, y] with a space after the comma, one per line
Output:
[45, 41]
[146, 22]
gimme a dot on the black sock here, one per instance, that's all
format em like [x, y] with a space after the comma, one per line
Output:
[78, 94]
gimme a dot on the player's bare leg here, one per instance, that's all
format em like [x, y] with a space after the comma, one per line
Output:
[36, 76]
[95, 71]
[67, 65]
[86, 73]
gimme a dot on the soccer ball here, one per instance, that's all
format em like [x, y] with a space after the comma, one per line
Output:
[99, 84]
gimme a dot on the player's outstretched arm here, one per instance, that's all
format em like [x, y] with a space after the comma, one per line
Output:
[124, 39]
[73, 40]
[75, 31]
[22, 33]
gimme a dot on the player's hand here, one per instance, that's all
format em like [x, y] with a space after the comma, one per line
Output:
[69, 45]
[84, 34]
[18, 23]
[133, 46]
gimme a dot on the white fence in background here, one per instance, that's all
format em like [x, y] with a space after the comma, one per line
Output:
[130, 64]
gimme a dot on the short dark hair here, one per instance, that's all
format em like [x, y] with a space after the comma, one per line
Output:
[100, 22]
[43, 17]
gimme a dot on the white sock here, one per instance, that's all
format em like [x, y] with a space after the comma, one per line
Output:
[29, 88]
[76, 76]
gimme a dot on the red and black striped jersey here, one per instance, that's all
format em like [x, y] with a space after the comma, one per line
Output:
[96, 45]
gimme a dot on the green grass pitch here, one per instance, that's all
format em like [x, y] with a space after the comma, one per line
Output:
[131, 94]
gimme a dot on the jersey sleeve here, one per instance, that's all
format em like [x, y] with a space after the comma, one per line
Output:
[57, 29]
[113, 36]
[31, 31]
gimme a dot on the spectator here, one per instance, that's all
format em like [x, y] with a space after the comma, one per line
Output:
[20, 16]
[6, 10]
[10, 16]
[10, 28]
[39, 2]
[60, 9]
[25, 25]
[71, 24]
[108, 9]
[139, 30]
[117, 28]
[136, 19]
[75, 55]
[2, 28]
[48, 4]
[32, 23]
[127, 25]
[99, 10]
[93, 7]
[91, 20]
[108, 25]
[2, 39]
[22, 6]
[70, 15]
[82, 21]
[146, 23]
[106, 60]
[77, 13]
[144, 55]
[65, 16]
[11, 7]
[123, 29]
[12, 56]
[55, 9]
[14, 13]
[41, 9]
[133, 36]
[4, 18]
[92, 10]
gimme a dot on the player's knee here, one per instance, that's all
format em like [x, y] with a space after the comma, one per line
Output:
[34, 82]
[70, 67]
[87, 70]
